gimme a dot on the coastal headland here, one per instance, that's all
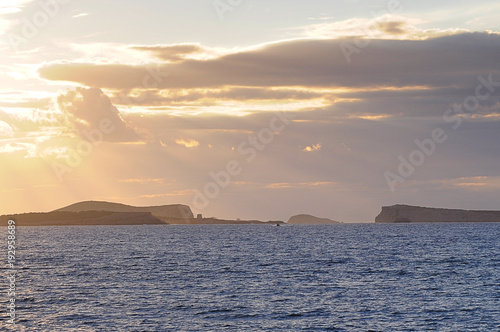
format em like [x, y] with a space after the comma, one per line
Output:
[410, 214]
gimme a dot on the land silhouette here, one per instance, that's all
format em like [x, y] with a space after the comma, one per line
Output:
[410, 214]
[308, 219]
[109, 213]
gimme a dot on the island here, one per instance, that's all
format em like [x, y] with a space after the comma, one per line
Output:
[413, 214]
[166, 213]
[174, 214]
[308, 219]
[64, 218]
[109, 213]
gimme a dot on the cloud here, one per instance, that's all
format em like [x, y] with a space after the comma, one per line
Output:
[31, 103]
[286, 185]
[171, 96]
[484, 183]
[5, 130]
[393, 27]
[13, 6]
[80, 15]
[188, 143]
[31, 133]
[382, 27]
[88, 110]
[7, 8]
[29, 149]
[314, 147]
[450, 60]
[172, 53]
[32, 122]
[175, 193]
[159, 181]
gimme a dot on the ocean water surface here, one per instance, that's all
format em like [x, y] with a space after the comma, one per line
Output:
[348, 277]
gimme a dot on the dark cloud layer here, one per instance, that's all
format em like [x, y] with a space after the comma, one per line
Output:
[445, 61]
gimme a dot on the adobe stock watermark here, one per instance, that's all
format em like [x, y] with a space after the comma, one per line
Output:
[357, 44]
[30, 27]
[11, 272]
[428, 146]
[224, 6]
[249, 149]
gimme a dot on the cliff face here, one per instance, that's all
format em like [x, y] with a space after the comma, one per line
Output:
[164, 212]
[407, 213]
[308, 219]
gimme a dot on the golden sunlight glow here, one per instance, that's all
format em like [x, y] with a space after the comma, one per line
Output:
[100, 103]
[371, 116]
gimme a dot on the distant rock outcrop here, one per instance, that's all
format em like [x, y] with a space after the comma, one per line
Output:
[407, 213]
[164, 212]
[308, 219]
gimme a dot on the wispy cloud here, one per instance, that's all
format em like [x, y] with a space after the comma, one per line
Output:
[144, 181]
[468, 183]
[188, 143]
[80, 15]
[313, 147]
[473, 183]
[8, 7]
[173, 193]
[384, 27]
[175, 53]
[29, 149]
[287, 185]
[12, 6]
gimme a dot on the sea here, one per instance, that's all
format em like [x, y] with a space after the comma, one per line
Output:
[342, 277]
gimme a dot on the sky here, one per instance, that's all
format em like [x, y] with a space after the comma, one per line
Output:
[250, 109]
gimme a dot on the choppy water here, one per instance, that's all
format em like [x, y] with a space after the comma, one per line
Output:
[361, 277]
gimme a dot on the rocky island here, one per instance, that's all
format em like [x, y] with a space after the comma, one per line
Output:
[407, 213]
[166, 213]
[308, 219]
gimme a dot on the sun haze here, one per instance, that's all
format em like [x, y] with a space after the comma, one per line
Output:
[251, 109]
